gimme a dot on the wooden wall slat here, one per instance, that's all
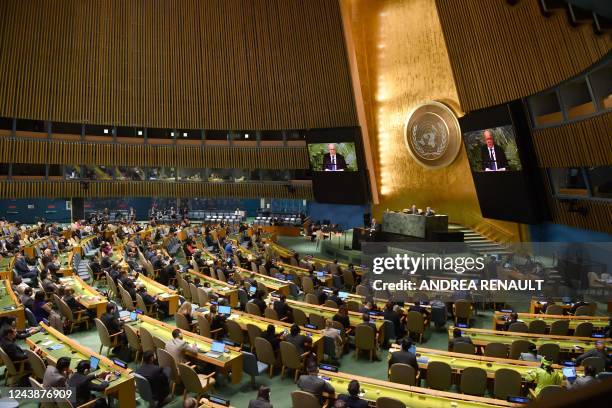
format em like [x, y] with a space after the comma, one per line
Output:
[186, 64]
[82, 153]
[583, 143]
[500, 53]
[58, 189]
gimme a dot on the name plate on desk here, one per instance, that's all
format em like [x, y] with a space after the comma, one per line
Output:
[414, 225]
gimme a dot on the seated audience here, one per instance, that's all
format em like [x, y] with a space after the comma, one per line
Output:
[263, 398]
[177, 346]
[598, 351]
[272, 337]
[405, 356]
[391, 313]
[342, 317]
[544, 376]
[158, 377]
[8, 338]
[282, 309]
[531, 354]
[56, 376]
[589, 378]
[83, 383]
[352, 400]
[314, 385]
[42, 308]
[27, 300]
[333, 333]
[458, 338]
[259, 301]
[294, 337]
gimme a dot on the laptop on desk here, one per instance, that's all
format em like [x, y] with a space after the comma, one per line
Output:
[217, 349]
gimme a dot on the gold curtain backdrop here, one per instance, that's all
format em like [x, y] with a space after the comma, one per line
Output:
[58, 189]
[181, 64]
[15, 150]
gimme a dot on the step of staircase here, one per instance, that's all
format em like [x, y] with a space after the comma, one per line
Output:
[478, 243]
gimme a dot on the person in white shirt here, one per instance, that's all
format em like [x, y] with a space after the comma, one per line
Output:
[330, 331]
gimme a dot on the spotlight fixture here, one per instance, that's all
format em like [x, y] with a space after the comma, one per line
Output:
[184, 134]
[246, 135]
[172, 134]
[140, 133]
[106, 131]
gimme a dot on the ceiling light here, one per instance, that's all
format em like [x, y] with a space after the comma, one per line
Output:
[105, 131]
[140, 133]
[184, 134]
[172, 134]
[246, 135]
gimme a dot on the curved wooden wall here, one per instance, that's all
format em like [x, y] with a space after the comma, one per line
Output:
[500, 53]
[598, 214]
[12, 150]
[583, 143]
[186, 64]
[58, 189]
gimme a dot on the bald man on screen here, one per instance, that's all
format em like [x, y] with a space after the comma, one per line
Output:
[492, 155]
[333, 161]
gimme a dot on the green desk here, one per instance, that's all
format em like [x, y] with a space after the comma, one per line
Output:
[122, 388]
[229, 362]
[413, 397]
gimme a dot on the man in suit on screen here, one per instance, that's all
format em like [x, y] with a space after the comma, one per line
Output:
[492, 155]
[333, 161]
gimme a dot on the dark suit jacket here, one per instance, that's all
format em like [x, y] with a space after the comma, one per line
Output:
[315, 385]
[84, 386]
[160, 384]
[500, 157]
[404, 357]
[282, 309]
[456, 340]
[340, 162]
[297, 341]
[259, 403]
[12, 350]
[111, 322]
[353, 402]
[21, 266]
[344, 320]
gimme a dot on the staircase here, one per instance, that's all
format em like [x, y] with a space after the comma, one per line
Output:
[478, 243]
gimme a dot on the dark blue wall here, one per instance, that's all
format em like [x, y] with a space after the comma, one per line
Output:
[31, 210]
[347, 216]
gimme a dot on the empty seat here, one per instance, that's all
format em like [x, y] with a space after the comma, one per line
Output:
[499, 350]
[473, 381]
[439, 375]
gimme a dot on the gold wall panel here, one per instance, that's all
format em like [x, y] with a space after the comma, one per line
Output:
[61, 189]
[62, 152]
[500, 53]
[583, 143]
[403, 62]
[186, 64]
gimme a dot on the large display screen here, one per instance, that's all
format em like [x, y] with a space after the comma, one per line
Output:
[492, 149]
[508, 182]
[335, 156]
[332, 156]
